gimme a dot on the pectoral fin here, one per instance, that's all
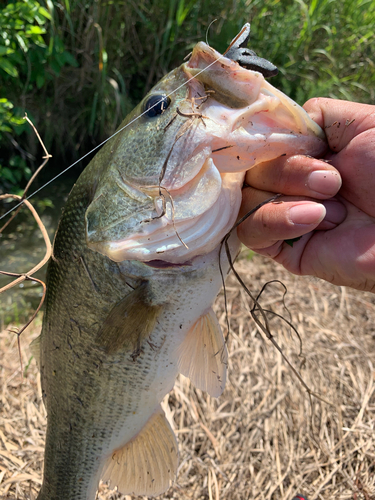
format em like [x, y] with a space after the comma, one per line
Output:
[129, 323]
[203, 356]
[148, 463]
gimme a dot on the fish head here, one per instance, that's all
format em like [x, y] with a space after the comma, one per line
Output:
[171, 186]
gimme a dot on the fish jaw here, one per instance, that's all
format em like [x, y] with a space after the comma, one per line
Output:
[250, 120]
[200, 230]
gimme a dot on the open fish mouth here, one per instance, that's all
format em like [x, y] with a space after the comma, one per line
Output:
[229, 119]
[254, 121]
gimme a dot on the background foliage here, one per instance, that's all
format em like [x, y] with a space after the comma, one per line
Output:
[78, 66]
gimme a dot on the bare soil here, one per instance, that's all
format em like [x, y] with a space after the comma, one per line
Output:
[263, 439]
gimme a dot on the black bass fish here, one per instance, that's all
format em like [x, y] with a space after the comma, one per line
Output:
[135, 270]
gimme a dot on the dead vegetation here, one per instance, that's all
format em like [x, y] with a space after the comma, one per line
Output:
[261, 440]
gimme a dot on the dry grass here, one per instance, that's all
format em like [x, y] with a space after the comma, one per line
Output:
[262, 439]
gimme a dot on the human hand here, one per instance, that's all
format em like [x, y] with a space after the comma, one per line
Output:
[336, 222]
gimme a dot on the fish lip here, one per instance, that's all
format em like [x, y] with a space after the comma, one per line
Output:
[208, 55]
[208, 67]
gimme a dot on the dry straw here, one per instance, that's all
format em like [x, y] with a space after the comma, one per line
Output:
[261, 440]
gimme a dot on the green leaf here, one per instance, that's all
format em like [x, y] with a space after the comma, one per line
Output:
[55, 66]
[41, 204]
[60, 60]
[43, 12]
[8, 67]
[7, 174]
[5, 50]
[292, 241]
[70, 59]
[40, 80]
[17, 121]
[183, 11]
[50, 5]
[23, 42]
[5, 128]
[5, 103]
[35, 30]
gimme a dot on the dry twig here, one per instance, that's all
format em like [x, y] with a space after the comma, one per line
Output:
[20, 277]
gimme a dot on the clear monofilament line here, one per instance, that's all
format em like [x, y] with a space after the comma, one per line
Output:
[106, 140]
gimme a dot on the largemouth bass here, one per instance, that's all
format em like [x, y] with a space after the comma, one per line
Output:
[135, 271]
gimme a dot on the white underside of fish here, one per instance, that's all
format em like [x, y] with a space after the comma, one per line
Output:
[187, 339]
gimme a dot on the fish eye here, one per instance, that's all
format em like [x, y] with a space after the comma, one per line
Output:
[156, 105]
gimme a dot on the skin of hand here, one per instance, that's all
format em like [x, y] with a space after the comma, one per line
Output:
[330, 202]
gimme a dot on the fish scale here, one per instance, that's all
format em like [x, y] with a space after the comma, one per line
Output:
[85, 419]
[129, 303]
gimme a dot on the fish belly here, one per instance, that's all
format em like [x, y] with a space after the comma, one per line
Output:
[96, 403]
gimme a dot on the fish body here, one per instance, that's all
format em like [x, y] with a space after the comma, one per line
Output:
[135, 271]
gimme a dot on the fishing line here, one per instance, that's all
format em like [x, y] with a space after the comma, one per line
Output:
[106, 140]
[208, 29]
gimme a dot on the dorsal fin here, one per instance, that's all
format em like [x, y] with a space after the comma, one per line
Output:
[129, 323]
[148, 463]
[203, 356]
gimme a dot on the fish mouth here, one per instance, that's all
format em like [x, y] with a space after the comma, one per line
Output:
[253, 121]
[232, 120]
[195, 219]
[163, 264]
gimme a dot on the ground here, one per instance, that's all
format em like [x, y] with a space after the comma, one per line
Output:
[263, 439]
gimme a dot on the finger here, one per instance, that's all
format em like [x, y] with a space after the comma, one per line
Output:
[336, 213]
[288, 219]
[340, 120]
[276, 221]
[352, 142]
[297, 176]
[344, 256]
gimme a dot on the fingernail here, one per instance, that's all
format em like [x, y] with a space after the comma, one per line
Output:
[308, 213]
[326, 182]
